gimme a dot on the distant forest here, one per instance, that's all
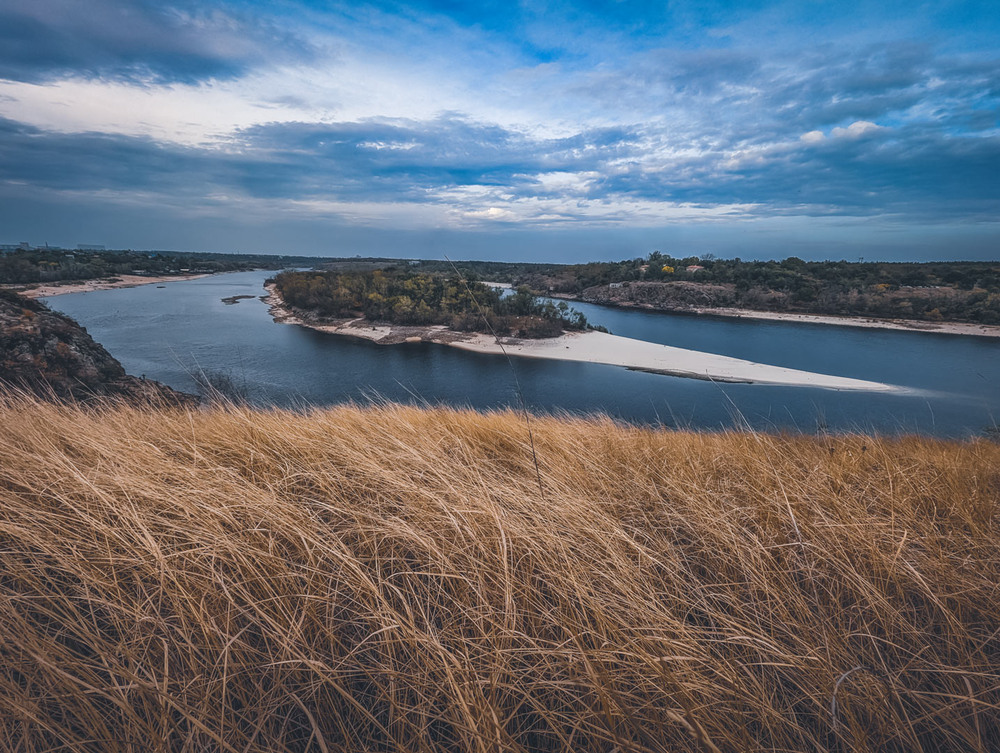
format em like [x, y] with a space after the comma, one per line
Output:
[401, 296]
[934, 291]
[33, 266]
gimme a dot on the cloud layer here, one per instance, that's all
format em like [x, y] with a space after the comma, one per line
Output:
[591, 116]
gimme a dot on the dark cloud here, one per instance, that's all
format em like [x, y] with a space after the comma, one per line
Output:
[729, 98]
[698, 72]
[714, 103]
[925, 176]
[97, 162]
[907, 172]
[373, 161]
[134, 39]
[407, 160]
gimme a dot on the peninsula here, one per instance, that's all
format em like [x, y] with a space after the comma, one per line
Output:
[339, 306]
[954, 297]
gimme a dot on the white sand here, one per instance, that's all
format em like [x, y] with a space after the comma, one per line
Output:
[591, 347]
[912, 325]
[909, 325]
[600, 347]
[119, 281]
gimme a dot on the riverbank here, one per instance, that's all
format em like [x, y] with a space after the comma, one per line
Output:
[585, 347]
[86, 286]
[909, 325]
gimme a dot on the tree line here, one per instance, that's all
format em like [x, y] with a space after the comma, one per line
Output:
[45, 265]
[417, 298]
[934, 291]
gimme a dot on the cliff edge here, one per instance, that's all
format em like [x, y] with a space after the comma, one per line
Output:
[50, 355]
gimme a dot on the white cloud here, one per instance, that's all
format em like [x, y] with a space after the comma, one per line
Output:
[856, 129]
[813, 137]
[494, 214]
[179, 113]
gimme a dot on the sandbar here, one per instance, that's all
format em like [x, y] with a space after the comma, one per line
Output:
[85, 286]
[586, 347]
[907, 325]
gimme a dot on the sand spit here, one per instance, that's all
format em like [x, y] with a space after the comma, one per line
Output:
[118, 281]
[639, 355]
[907, 325]
[588, 347]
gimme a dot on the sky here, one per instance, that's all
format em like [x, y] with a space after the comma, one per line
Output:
[533, 131]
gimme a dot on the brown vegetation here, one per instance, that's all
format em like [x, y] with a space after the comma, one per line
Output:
[395, 579]
[395, 296]
[928, 304]
[50, 355]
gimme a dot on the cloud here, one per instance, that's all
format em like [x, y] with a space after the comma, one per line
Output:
[759, 96]
[376, 161]
[429, 114]
[493, 214]
[413, 160]
[137, 40]
[856, 130]
[455, 167]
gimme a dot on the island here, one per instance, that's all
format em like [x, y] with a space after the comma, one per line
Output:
[391, 306]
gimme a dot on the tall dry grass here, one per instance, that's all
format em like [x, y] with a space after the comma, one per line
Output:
[393, 579]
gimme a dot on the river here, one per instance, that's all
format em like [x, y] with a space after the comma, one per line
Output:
[169, 332]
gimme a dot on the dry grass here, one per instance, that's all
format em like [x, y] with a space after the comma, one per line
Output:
[392, 579]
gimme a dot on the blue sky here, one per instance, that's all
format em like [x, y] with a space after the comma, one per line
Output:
[550, 131]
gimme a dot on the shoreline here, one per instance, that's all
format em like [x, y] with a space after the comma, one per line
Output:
[48, 290]
[585, 347]
[967, 329]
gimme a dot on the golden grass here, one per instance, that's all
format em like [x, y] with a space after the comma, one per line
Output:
[393, 579]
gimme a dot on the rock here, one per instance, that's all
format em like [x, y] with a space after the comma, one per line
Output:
[50, 355]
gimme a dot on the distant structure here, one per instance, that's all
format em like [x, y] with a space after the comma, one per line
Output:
[694, 267]
[90, 247]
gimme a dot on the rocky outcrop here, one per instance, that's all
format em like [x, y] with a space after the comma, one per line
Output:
[52, 356]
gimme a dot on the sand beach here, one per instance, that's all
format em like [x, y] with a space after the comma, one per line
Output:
[85, 286]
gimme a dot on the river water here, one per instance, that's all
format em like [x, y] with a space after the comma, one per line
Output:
[168, 333]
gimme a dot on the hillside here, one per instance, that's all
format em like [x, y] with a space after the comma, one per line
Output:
[49, 354]
[401, 579]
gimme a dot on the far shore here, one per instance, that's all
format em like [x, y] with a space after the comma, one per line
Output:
[85, 286]
[587, 347]
[908, 325]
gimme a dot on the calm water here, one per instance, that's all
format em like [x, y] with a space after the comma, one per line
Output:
[170, 332]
